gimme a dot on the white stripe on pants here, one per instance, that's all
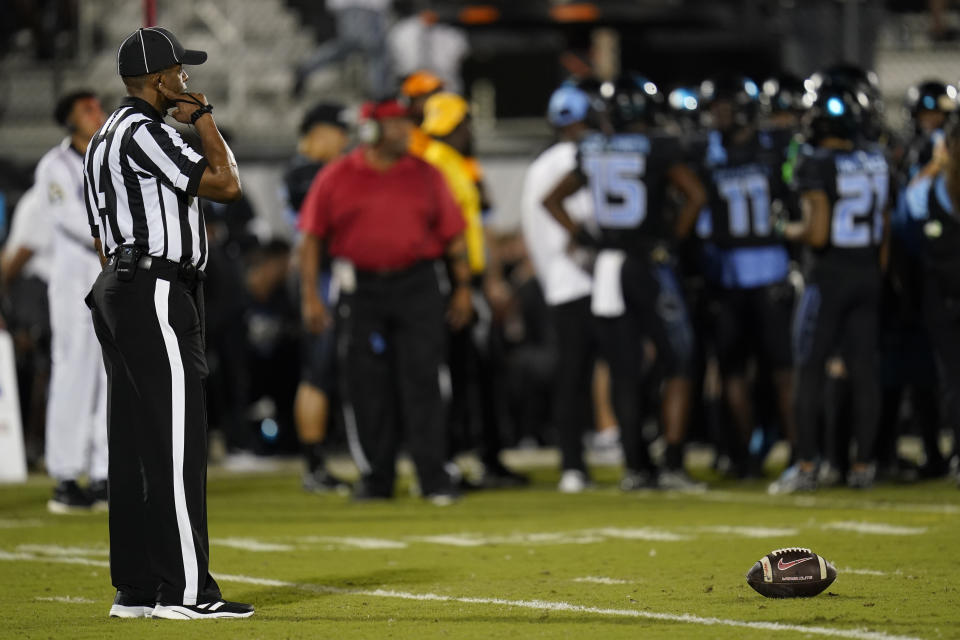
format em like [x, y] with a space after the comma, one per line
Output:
[178, 425]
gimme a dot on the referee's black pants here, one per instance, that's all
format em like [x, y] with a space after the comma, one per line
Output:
[150, 330]
[391, 343]
[573, 393]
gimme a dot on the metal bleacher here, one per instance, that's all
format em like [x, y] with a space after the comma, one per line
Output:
[252, 45]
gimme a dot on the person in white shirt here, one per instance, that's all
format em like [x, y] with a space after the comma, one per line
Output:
[418, 42]
[26, 253]
[76, 440]
[565, 277]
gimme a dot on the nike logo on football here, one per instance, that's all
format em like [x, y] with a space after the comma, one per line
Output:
[783, 566]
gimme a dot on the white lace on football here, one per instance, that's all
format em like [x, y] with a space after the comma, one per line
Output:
[789, 549]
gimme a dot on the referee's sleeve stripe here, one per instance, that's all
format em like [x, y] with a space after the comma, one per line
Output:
[149, 153]
[88, 195]
[156, 163]
[176, 149]
[193, 186]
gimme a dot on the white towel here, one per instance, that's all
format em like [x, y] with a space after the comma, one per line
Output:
[607, 299]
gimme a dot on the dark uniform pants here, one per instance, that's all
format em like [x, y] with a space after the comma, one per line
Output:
[941, 301]
[150, 331]
[838, 312]
[391, 343]
[655, 309]
[753, 322]
[573, 398]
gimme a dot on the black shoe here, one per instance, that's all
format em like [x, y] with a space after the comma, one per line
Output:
[98, 495]
[497, 476]
[217, 609]
[68, 497]
[638, 480]
[862, 478]
[443, 498]
[319, 481]
[363, 493]
[126, 606]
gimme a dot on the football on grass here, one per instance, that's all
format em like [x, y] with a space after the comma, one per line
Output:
[791, 573]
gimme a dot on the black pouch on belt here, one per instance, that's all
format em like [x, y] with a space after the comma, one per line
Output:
[127, 259]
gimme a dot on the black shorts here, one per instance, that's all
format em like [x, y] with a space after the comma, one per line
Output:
[318, 355]
[750, 323]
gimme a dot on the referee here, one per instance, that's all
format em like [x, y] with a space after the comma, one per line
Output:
[141, 183]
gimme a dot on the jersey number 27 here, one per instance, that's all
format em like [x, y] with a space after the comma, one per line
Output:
[858, 213]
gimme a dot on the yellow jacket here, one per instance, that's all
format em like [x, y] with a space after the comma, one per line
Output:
[460, 179]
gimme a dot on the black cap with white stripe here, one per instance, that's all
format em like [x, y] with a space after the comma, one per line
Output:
[153, 49]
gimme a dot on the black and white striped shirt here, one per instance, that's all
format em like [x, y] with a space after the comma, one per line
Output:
[141, 180]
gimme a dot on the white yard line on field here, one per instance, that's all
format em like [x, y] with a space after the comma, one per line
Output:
[750, 532]
[57, 550]
[656, 535]
[67, 599]
[354, 543]
[823, 502]
[866, 572]
[875, 528]
[21, 556]
[545, 605]
[538, 605]
[601, 580]
[251, 544]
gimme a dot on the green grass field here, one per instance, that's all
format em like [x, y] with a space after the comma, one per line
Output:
[520, 564]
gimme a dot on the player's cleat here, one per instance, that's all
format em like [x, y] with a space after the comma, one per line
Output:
[363, 493]
[217, 609]
[443, 498]
[792, 480]
[862, 478]
[638, 480]
[68, 497]
[126, 606]
[678, 480]
[573, 481]
[497, 476]
[320, 481]
[99, 495]
[828, 475]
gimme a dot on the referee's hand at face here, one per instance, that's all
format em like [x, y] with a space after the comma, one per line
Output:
[187, 103]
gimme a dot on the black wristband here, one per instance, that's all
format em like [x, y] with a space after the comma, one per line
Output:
[207, 108]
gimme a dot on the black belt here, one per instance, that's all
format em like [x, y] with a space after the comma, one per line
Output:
[183, 271]
[390, 275]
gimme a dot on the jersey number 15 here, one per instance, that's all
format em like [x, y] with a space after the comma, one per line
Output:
[619, 194]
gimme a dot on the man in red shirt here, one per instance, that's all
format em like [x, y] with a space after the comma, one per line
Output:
[387, 218]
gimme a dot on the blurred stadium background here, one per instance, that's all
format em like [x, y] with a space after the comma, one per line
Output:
[518, 52]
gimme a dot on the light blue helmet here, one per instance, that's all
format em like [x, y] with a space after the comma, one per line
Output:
[568, 105]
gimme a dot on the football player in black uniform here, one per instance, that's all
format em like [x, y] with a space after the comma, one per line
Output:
[843, 185]
[635, 287]
[933, 197]
[752, 299]
[908, 363]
